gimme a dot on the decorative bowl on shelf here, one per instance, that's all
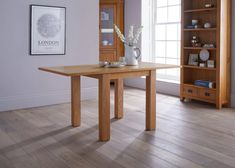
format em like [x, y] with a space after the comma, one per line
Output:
[209, 45]
[207, 25]
[105, 42]
[209, 5]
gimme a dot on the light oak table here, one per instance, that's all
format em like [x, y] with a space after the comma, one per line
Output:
[104, 75]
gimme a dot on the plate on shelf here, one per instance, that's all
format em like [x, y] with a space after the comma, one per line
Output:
[204, 55]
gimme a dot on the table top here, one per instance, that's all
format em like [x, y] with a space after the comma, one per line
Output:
[77, 70]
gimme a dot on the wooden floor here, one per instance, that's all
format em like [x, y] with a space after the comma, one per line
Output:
[188, 135]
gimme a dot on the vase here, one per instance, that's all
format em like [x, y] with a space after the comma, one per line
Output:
[132, 54]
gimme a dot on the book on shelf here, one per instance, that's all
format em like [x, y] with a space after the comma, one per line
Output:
[203, 83]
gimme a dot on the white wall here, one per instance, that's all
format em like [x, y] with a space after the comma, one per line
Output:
[22, 85]
[133, 17]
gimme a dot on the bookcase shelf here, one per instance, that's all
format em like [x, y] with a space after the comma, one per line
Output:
[199, 68]
[198, 48]
[199, 87]
[218, 35]
[200, 10]
[201, 29]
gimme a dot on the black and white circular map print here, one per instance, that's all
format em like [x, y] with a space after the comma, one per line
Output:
[48, 25]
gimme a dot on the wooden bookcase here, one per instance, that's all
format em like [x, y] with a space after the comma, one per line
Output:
[111, 12]
[218, 34]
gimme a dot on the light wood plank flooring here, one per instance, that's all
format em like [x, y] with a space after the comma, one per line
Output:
[188, 135]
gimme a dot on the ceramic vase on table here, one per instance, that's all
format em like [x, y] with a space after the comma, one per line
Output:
[132, 55]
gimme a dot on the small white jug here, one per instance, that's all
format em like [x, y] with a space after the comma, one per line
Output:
[132, 55]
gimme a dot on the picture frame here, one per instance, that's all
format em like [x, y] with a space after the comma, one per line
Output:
[193, 59]
[211, 64]
[47, 30]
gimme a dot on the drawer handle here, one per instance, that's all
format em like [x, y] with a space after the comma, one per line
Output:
[207, 94]
[190, 90]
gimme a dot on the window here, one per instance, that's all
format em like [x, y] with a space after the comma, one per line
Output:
[161, 35]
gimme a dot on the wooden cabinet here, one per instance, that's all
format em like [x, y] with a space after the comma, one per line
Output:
[111, 12]
[218, 34]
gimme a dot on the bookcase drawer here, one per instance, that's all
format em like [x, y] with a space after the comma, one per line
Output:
[207, 94]
[190, 90]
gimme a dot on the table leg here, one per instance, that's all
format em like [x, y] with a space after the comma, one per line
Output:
[118, 98]
[151, 101]
[75, 101]
[104, 108]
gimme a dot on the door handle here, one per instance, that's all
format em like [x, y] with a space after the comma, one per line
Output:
[190, 90]
[207, 94]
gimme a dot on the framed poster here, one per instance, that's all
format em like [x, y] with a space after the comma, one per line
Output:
[48, 27]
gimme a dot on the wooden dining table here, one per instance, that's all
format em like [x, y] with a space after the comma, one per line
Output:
[105, 75]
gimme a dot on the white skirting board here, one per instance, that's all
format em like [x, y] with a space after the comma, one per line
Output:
[42, 99]
[233, 100]
[161, 86]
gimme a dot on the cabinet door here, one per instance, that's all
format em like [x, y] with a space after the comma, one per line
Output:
[108, 55]
[107, 21]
